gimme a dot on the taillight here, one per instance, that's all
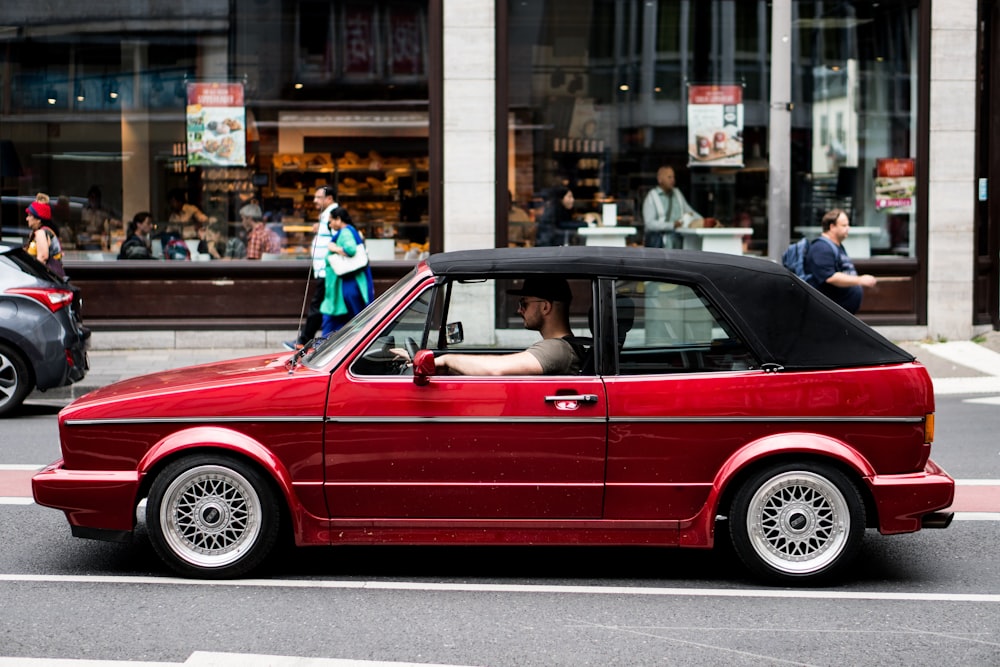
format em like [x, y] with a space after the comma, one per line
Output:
[50, 297]
[929, 428]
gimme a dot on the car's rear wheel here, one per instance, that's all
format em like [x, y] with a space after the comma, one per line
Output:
[15, 380]
[797, 523]
[212, 517]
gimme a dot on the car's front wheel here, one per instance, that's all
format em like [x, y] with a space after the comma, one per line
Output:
[797, 523]
[212, 517]
[15, 380]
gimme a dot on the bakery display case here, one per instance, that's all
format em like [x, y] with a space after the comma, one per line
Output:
[386, 196]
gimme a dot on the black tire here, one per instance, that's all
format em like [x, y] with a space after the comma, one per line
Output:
[15, 380]
[212, 517]
[797, 523]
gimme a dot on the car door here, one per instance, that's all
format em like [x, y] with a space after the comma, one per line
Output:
[680, 400]
[460, 447]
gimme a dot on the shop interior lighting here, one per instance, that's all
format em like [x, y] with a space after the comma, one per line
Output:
[51, 95]
[624, 87]
[298, 86]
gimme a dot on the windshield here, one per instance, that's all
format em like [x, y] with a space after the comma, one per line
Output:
[326, 351]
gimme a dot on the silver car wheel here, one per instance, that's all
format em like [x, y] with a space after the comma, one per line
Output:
[210, 516]
[798, 522]
[14, 380]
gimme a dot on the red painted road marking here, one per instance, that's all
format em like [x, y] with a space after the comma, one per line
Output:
[16, 483]
[968, 497]
[985, 498]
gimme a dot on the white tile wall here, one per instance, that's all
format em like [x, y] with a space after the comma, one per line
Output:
[469, 124]
[945, 113]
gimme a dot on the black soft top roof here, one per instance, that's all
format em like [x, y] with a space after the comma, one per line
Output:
[785, 320]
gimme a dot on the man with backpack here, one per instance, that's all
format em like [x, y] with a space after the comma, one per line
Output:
[828, 268]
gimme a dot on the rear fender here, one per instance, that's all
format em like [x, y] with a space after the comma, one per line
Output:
[700, 530]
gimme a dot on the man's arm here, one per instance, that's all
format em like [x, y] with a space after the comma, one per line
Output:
[841, 279]
[518, 363]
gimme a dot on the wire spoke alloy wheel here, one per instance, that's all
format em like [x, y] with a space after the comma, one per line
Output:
[798, 523]
[211, 517]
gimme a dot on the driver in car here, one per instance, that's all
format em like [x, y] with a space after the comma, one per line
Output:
[544, 306]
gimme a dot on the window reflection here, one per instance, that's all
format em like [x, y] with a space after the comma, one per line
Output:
[334, 93]
[598, 104]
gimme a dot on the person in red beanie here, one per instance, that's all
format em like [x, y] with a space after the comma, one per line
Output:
[43, 244]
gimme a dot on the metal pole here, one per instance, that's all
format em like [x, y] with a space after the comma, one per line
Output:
[779, 135]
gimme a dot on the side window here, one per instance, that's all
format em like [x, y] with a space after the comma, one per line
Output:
[405, 333]
[669, 328]
[475, 316]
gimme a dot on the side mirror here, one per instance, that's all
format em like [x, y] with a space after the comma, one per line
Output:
[423, 367]
[454, 333]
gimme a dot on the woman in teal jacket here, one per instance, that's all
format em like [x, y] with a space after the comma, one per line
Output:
[346, 295]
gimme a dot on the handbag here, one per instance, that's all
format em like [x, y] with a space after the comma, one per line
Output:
[342, 264]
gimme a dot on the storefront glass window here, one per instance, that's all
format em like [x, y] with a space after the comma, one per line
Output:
[603, 94]
[854, 128]
[599, 102]
[193, 118]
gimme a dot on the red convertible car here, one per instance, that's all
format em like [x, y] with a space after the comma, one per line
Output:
[718, 397]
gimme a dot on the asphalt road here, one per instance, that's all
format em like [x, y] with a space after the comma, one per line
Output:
[931, 598]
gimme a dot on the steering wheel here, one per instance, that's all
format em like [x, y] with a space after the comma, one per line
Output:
[411, 348]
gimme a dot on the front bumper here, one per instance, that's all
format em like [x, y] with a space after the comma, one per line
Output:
[903, 501]
[95, 502]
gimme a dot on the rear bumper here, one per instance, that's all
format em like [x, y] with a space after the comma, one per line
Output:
[63, 363]
[903, 501]
[94, 502]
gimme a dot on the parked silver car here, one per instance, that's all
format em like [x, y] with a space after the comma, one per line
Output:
[43, 343]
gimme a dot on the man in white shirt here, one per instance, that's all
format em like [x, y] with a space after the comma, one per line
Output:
[665, 210]
[324, 202]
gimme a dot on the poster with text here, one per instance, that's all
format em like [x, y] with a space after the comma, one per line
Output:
[715, 126]
[216, 125]
[895, 185]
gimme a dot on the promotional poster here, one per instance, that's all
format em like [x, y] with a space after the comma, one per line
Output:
[216, 125]
[715, 126]
[895, 185]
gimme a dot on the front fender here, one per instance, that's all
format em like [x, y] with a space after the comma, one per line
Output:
[222, 439]
[700, 531]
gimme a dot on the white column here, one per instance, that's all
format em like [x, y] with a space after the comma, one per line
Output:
[951, 188]
[469, 124]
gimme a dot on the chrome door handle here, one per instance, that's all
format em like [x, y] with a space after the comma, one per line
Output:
[582, 398]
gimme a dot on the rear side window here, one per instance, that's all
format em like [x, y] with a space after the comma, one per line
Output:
[669, 328]
[28, 264]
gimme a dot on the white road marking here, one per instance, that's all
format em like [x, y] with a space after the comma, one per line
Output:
[968, 385]
[990, 400]
[966, 353]
[504, 588]
[209, 659]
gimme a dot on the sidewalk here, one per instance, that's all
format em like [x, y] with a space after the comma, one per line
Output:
[959, 367]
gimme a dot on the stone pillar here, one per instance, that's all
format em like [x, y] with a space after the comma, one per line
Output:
[469, 124]
[951, 187]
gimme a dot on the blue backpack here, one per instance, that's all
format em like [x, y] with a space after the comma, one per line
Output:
[794, 258]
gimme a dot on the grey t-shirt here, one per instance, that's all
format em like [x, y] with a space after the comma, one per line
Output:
[556, 356]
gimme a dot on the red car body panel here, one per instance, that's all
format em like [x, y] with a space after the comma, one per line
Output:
[641, 459]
